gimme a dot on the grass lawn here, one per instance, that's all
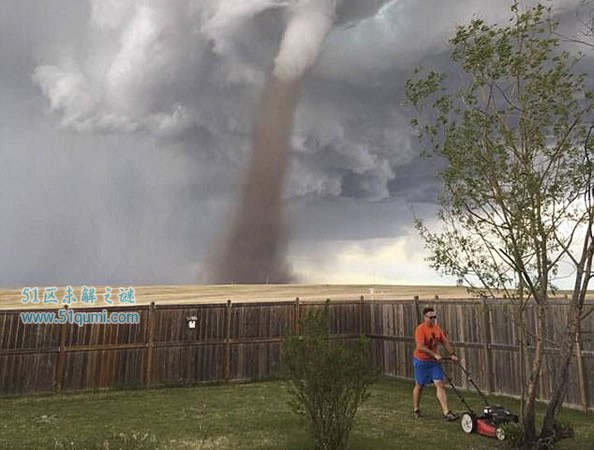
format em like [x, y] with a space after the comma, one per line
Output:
[238, 416]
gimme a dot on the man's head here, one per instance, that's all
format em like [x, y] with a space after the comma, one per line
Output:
[429, 315]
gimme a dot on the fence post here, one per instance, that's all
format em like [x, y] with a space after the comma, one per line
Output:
[150, 344]
[462, 355]
[296, 317]
[487, 346]
[416, 304]
[581, 371]
[227, 368]
[361, 315]
[59, 374]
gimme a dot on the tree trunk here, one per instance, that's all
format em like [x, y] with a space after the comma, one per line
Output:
[522, 339]
[562, 376]
[529, 418]
[521, 331]
[584, 271]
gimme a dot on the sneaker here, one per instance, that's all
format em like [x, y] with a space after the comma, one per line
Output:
[417, 413]
[449, 416]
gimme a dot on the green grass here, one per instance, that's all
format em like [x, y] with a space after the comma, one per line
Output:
[239, 416]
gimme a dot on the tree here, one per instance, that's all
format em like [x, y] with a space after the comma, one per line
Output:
[515, 130]
[587, 21]
[327, 380]
[584, 36]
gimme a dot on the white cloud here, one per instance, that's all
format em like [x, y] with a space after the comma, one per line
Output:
[68, 92]
[398, 260]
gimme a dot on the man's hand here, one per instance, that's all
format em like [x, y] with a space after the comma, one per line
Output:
[437, 356]
[454, 357]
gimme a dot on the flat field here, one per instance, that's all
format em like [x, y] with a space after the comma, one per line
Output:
[188, 294]
[11, 298]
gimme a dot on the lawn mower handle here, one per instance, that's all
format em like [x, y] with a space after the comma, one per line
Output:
[468, 377]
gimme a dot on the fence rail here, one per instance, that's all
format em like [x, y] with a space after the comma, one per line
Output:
[241, 341]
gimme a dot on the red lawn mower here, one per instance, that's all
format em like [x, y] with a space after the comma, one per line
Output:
[490, 422]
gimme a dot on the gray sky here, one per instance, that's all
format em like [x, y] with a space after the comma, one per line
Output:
[125, 130]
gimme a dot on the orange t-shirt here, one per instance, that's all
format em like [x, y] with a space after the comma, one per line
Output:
[429, 336]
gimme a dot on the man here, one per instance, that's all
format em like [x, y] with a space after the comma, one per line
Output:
[426, 362]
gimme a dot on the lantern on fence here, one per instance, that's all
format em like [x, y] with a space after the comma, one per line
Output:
[191, 321]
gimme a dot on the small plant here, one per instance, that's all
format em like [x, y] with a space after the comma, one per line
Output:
[327, 380]
[117, 441]
[563, 430]
[514, 433]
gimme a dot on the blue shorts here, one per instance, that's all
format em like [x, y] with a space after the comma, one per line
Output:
[426, 372]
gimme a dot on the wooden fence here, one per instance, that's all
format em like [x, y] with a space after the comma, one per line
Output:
[486, 337]
[241, 342]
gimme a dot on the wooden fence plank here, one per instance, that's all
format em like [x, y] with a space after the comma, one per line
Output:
[150, 344]
[584, 397]
[59, 373]
[227, 363]
[487, 325]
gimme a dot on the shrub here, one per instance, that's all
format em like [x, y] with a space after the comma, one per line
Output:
[327, 380]
[514, 433]
[563, 430]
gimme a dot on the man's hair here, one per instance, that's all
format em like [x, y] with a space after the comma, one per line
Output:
[428, 309]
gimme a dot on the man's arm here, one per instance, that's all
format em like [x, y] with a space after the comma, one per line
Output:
[424, 349]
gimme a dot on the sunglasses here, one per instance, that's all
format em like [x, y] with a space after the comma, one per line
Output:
[431, 317]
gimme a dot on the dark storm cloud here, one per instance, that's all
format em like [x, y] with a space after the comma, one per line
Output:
[95, 208]
[125, 127]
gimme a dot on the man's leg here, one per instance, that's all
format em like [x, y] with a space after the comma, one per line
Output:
[417, 391]
[442, 395]
[420, 375]
[443, 400]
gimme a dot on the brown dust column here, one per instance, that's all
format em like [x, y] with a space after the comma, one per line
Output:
[256, 249]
